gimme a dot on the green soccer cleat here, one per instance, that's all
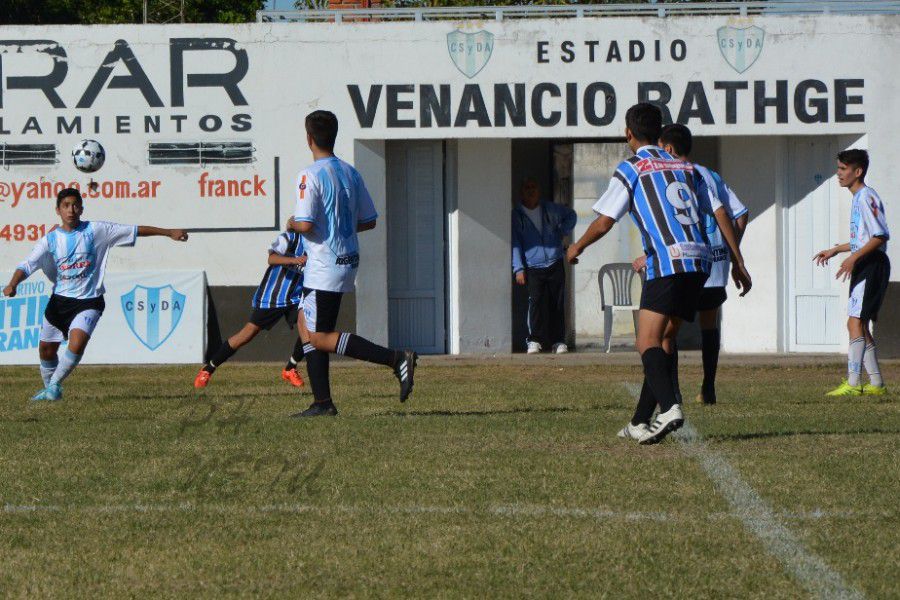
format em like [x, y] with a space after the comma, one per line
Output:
[874, 390]
[845, 389]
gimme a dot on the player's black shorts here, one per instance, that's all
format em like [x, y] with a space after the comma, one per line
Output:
[711, 297]
[62, 310]
[675, 296]
[265, 318]
[868, 285]
[320, 308]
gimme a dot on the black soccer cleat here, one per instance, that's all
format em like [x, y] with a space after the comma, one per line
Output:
[318, 409]
[404, 372]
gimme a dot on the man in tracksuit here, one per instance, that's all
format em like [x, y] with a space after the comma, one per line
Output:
[538, 229]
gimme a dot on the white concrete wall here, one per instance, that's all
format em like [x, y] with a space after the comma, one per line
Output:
[751, 324]
[372, 279]
[480, 245]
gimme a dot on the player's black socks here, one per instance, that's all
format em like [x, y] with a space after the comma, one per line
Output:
[362, 349]
[224, 352]
[317, 369]
[296, 356]
[645, 406]
[673, 373]
[712, 339]
[658, 374]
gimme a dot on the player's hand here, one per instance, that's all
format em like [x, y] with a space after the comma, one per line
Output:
[741, 278]
[179, 235]
[9, 291]
[640, 263]
[846, 268]
[520, 277]
[572, 254]
[301, 261]
[824, 256]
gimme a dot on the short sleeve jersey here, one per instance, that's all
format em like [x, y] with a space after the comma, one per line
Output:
[867, 219]
[282, 285]
[333, 197]
[721, 257]
[75, 261]
[661, 194]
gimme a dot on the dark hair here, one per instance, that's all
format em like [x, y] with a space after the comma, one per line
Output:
[855, 158]
[645, 122]
[322, 126]
[67, 193]
[679, 137]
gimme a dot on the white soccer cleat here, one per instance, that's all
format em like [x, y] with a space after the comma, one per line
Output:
[534, 347]
[664, 424]
[633, 432]
[560, 348]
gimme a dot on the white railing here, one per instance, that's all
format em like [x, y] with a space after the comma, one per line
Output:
[650, 9]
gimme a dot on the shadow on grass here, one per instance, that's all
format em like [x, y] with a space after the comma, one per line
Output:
[485, 413]
[761, 435]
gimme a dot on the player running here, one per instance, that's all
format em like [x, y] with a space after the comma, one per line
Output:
[869, 270]
[278, 296]
[333, 204]
[73, 258]
[676, 139]
[659, 192]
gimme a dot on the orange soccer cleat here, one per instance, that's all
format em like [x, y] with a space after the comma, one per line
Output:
[202, 379]
[292, 376]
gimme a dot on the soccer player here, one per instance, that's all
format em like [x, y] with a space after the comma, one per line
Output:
[73, 258]
[333, 204]
[278, 296]
[869, 271]
[659, 192]
[676, 139]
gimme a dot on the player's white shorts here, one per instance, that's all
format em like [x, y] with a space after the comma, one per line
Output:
[86, 321]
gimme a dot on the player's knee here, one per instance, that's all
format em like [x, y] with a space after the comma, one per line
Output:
[319, 341]
[47, 351]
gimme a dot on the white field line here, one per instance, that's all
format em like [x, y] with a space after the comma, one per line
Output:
[746, 504]
[512, 511]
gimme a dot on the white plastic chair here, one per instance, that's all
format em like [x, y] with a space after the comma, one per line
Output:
[620, 277]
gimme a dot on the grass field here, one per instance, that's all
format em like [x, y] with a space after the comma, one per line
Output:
[496, 479]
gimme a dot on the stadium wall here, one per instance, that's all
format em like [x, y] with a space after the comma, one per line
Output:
[237, 95]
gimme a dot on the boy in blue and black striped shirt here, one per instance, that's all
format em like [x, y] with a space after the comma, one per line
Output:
[278, 296]
[666, 200]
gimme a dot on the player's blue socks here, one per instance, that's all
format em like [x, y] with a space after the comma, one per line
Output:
[67, 364]
[47, 369]
[362, 349]
[854, 360]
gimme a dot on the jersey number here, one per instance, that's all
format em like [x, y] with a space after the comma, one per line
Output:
[681, 197]
[346, 226]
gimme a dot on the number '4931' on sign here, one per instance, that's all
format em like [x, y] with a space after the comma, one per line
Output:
[21, 232]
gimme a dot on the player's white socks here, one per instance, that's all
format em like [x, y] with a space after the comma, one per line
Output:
[854, 360]
[47, 369]
[67, 364]
[870, 362]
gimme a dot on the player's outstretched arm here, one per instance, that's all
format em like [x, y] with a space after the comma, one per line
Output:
[595, 231]
[179, 235]
[824, 256]
[738, 271]
[18, 277]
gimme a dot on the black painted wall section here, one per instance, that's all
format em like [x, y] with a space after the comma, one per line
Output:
[887, 330]
[229, 310]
